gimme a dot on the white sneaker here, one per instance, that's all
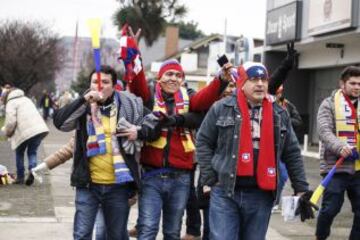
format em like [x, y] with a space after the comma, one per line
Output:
[37, 176]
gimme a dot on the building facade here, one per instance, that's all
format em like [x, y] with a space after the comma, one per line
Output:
[327, 36]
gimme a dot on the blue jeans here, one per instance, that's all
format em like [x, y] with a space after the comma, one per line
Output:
[113, 199]
[242, 217]
[100, 227]
[32, 145]
[333, 200]
[168, 195]
[282, 179]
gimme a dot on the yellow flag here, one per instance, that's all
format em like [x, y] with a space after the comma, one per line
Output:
[95, 28]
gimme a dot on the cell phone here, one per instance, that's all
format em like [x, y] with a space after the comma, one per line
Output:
[222, 60]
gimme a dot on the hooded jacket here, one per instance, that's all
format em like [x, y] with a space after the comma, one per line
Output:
[22, 119]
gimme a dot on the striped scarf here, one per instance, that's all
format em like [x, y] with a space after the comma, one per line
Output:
[347, 122]
[96, 141]
[182, 106]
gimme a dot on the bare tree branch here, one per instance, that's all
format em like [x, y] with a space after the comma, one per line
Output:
[29, 54]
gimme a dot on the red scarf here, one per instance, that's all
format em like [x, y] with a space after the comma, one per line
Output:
[266, 165]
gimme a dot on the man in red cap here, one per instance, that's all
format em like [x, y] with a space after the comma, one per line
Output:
[168, 161]
[239, 145]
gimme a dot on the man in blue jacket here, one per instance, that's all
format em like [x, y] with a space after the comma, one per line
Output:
[239, 146]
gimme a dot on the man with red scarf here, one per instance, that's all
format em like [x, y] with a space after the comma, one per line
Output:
[168, 161]
[239, 145]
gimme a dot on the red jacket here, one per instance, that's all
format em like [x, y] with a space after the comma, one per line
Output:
[177, 157]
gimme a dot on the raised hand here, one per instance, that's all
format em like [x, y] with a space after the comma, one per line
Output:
[135, 36]
[227, 73]
[291, 55]
[93, 96]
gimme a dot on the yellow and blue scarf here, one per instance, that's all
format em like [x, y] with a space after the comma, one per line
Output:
[96, 141]
[182, 106]
[347, 122]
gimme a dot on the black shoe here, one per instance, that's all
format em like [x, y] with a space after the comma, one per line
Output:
[30, 179]
[19, 181]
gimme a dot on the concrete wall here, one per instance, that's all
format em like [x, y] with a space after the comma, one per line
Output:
[318, 56]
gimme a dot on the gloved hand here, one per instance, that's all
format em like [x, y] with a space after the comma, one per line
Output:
[172, 121]
[354, 155]
[291, 56]
[227, 73]
[38, 170]
[305, 207]
[151, 120]
[203, 196]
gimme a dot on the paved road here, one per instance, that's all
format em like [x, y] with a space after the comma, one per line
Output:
[46, 211]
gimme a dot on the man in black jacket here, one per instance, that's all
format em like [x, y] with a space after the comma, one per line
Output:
[103, 172]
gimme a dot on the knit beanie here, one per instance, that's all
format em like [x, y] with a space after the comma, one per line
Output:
[249, 70]
[171, 64]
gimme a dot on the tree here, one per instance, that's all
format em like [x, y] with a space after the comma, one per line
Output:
[149, 15]
[29, 54]
[82, 81]
[189, 30]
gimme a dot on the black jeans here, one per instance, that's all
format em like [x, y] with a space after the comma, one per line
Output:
[193, 217]
[333, 200]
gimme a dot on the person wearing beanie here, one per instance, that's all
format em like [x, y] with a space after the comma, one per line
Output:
[168, 161]
[296, 123]
[239, 145]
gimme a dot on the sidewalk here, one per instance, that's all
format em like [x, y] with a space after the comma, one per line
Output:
[37, 212]
[20, 200]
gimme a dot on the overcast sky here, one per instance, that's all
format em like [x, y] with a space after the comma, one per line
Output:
[243, 16]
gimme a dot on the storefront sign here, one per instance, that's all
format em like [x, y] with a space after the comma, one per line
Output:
[283, 24]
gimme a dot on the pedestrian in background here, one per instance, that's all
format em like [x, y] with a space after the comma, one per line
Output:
[65, 99]
[26, 129]
[46, 103]
[296, 123]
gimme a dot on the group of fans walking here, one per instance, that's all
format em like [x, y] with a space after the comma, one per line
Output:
[144, 143]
